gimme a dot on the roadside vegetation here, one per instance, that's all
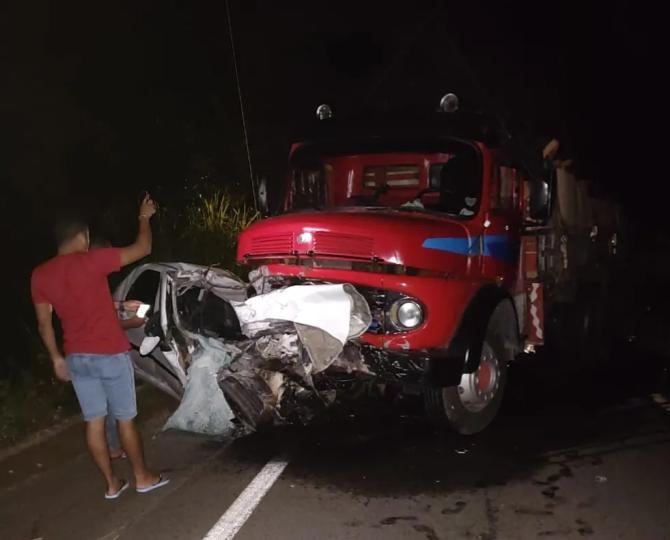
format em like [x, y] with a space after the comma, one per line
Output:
[207, 232]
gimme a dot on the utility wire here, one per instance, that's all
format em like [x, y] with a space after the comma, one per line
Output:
[239, 95]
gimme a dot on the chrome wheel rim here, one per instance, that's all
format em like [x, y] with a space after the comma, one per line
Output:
[476, 390]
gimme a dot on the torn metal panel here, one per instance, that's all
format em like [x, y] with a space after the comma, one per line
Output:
[222, 283]
[255, 395]
[321, 347]
[351, 361]
[203, 408]
[260, 280]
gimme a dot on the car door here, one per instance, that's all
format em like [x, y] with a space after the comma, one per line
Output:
[149, 284]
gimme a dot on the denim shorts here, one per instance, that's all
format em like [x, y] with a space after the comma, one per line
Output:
[104, 384]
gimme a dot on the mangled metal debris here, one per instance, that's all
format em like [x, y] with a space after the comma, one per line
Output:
[203, 408]
[240, 355]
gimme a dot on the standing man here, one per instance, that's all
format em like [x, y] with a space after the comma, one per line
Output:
[111, 428]
[74, 284]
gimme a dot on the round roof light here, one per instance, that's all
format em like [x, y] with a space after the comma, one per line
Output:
[449, 103]
[323, 112]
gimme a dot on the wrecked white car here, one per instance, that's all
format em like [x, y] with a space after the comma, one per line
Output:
[239, 354]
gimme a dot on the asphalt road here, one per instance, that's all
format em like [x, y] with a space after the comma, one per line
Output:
[574, 457]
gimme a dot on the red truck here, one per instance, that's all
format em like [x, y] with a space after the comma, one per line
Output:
[464, 252]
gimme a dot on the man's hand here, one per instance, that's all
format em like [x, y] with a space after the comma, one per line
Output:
[133, 322]
[142, 245]
[131, 305]
[60, 369]
[550, 151]
[147, 207]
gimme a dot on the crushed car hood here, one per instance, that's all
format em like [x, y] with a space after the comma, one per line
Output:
[239, 357]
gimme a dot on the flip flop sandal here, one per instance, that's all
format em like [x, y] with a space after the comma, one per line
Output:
[124, 486]
[161, 482]
[121, 456]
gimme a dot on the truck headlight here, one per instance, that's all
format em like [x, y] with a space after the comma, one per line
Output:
[406, 314]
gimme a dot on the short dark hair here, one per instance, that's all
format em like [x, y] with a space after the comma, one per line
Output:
[66, 228]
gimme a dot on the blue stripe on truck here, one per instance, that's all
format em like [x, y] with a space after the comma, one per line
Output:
[497, 246]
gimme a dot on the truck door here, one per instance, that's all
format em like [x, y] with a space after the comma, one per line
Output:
[501, 226]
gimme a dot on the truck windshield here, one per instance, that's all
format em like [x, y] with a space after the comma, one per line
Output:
[445, 178]
[307, 187]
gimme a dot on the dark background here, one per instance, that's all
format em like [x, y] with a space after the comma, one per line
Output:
[100, 101]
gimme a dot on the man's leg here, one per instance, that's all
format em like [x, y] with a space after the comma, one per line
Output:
[112, 434]
[97, 445]
[91, 395]
[132, 444]
[119, 385]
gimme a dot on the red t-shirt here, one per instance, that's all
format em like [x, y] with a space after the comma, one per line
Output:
[76, 286]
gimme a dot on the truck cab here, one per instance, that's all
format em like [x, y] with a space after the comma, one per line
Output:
[426, 217]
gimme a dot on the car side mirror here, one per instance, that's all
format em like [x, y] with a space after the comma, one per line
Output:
[148, 344]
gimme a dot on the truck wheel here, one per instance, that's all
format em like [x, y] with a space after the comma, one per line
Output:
[471, 406]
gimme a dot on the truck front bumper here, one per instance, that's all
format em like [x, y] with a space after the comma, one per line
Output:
[426, 368]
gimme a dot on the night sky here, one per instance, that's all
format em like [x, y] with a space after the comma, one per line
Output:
[100, 101]
[104, 98]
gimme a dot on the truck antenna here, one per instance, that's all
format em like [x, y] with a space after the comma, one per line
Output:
[239, 95]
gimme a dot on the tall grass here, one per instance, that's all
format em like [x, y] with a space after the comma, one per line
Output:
[209, 227]
[219, 213]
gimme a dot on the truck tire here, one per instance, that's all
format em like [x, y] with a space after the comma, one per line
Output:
[472, 405]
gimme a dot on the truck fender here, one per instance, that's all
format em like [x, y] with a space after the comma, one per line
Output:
[466, 344]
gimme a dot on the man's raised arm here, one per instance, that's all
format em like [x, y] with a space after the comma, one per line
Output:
[142, 245]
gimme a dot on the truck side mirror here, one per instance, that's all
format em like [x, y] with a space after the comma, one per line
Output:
[540, 201]
[262, 196]
[541, 192]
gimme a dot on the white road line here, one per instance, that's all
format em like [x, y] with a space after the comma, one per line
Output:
[245, 504]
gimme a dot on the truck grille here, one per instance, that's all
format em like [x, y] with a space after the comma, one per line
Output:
[278, 244]
[343, 245]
